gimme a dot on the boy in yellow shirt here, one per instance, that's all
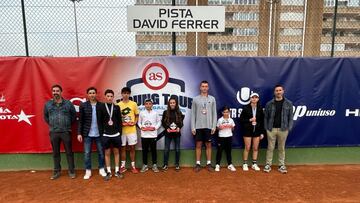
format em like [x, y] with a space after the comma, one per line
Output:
[130, 114]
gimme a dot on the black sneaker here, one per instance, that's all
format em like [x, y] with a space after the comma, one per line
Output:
[177, 168]
[165, 168]
[107, 177]
[210, 168]
[119, 175]
[197, 168]
[55, 175]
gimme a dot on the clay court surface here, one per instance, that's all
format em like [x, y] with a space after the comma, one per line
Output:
[301, 184]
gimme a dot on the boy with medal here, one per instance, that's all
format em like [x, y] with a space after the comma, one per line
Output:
[110, 125]
[203, 123]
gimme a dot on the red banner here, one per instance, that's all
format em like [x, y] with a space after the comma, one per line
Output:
[25, 86]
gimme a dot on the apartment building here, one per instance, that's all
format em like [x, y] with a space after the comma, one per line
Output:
[264, 28]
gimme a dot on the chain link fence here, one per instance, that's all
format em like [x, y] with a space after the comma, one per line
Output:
[294, 28]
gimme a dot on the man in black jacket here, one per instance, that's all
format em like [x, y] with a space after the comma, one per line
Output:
[278, 122]
[89, 131]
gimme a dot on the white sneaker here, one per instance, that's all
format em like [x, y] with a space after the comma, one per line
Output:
[217, 168]
[245, 167]
[255, 167]
[231, 167]
[102, 172]
[87, 174]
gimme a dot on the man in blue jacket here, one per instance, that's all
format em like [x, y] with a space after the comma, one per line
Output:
[89, 131]
[59, 114]
[278, 123]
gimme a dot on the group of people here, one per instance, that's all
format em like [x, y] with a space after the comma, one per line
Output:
[112, 127]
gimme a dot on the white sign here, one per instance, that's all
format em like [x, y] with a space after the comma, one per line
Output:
[176, 18]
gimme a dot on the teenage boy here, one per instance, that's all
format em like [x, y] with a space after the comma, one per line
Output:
[149, 122]
[130, 115]
[110, 117]
[89, 131]
[203, 123]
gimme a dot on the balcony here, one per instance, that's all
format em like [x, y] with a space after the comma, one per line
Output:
[341, 39]
[342, 24]
[232, 39]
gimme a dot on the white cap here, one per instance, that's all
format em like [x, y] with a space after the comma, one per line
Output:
[254, 94]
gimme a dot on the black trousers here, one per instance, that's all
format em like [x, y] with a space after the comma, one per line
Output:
[56, 139]
[224, 143]
[145, 144]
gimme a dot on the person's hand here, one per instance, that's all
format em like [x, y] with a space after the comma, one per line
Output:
[193, 131]
[177, 129]
[168, 130]
[79, 138]
[213, 131]
[261, 136]
[131, 123]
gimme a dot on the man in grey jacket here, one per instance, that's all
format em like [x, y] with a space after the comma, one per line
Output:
[278, 123]
[59, 114]
[203, 123]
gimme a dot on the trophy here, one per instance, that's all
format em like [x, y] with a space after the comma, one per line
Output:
[148, 126]
[127, 121]
[226, 124]
[173, 128]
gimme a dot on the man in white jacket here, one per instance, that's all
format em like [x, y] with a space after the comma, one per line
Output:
[149, 122]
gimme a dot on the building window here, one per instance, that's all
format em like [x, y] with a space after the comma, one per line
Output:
[246, 16]
[160, 46]
[291, 31]
[214, 2]
[161, 33]
[291, 16]
[292, 2]
[161, 2]
[246, 2]
[245, 31]
[327, 47]
[230, 2]
[245, 46]
[290, 47]
[329, 3]
[220, 46]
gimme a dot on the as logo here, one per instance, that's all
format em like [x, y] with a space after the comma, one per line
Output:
[243, 96]
[155, 76]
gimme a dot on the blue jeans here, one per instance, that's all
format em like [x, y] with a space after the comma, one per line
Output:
[87, 151]
[167, 149]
